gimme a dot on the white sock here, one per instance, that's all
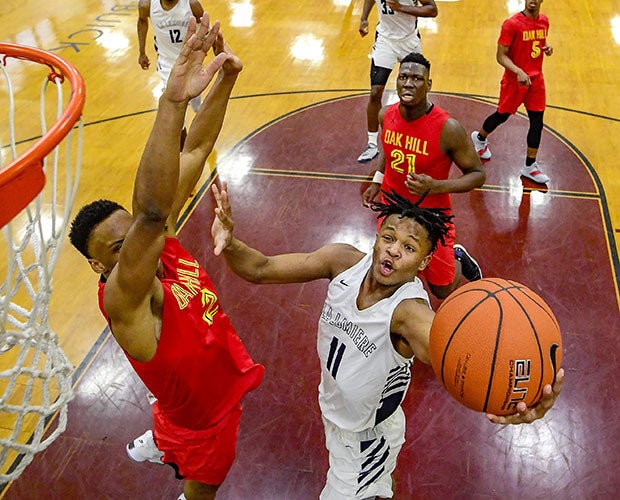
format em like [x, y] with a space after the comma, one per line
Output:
[372, 138]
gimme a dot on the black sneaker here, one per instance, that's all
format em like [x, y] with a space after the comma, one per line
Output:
[469, 267]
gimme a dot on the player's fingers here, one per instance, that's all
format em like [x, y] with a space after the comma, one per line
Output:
[216, 196]
[225, 204]
[213, 67]
[191, 27]
[203, 28]
[209, 38]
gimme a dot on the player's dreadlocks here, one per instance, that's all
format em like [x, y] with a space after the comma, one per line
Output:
[436, 222]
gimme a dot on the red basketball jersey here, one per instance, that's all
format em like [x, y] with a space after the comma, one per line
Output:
[201, 369]
[415, 147]
[525, 38]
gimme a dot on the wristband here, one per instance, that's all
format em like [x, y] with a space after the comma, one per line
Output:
[378, 177]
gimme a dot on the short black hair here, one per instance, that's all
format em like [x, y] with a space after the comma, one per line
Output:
[87, 219]
[435, 220]
[416, 57]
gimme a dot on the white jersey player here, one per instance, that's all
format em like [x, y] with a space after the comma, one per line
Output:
[169, 19]
[376, 319]
[397, 35]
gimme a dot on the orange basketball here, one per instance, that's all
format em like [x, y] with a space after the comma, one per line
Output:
[494, 343]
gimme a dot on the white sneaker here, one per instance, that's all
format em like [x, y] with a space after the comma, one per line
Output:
[532, 172]
[143, 448]
[481, 147]
[369, 153]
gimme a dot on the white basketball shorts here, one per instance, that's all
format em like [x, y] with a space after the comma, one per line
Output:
[387, 53]
[361, 463]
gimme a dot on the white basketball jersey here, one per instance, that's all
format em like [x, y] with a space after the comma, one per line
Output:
[396, 25]
[170, 28]
[363, 378]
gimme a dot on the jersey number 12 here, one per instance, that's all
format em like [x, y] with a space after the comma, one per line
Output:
[175, 36]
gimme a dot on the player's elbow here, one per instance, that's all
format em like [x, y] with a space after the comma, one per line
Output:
[480, 179]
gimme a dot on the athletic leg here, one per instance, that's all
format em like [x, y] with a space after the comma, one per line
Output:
[534, 134]
[384, 58]
[378, 79]
[492, 122]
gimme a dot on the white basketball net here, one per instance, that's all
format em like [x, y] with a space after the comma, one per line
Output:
[35, 375]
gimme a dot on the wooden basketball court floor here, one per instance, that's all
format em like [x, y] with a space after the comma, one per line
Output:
[288, 149]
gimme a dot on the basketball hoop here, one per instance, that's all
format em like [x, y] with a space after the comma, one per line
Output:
[36, 198]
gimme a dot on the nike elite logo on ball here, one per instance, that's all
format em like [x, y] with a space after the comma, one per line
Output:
[495, 343]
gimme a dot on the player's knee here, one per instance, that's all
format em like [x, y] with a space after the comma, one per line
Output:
[376, 94]
[493, 121]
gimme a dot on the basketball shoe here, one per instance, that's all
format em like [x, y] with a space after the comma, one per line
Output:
[469, 267]
[533, 172]
[369, 153]
[481, 147]
[144, 448]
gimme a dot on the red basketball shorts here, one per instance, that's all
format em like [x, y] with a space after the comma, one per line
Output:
[206, 455]
[512, 95]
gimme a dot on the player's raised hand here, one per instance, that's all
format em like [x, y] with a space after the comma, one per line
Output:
[223, 224]
[526, 415]
[232, 65]
[188, 77]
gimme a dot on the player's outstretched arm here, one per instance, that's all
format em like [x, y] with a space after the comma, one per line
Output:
[205, 128]
[256, 267]
[526, 415]
[158, 172]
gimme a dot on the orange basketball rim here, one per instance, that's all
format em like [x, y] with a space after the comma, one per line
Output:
[23, 179]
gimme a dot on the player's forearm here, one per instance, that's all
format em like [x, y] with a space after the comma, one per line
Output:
[505, 61]
[245, 261]
[142, 29]
[368, 4]
[158, 172]
[207, 124]
[465, 183]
